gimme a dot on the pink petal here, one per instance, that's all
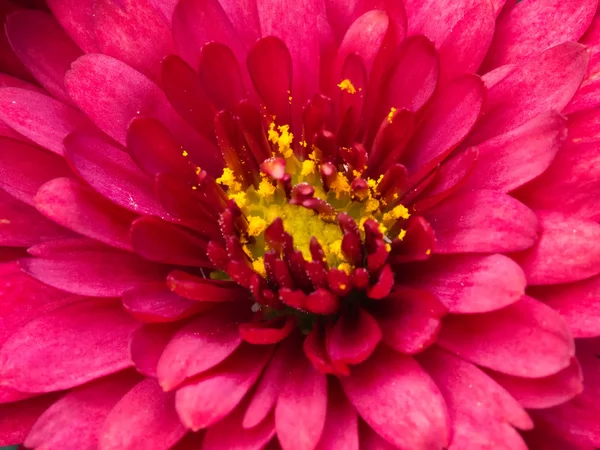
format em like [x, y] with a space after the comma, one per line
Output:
[463, 50]
[229, 433]
[40, 118]
[198, 346]
[566, 251]
[215, 394]
[164, 8]
[577, 303]
[301, 407]
[482, 222]
[147, 344]
[16, 419]
[23, 226]
[96, 331]
[160, 241]
[35, 33]
[518, 156]
[133, 33]
[341, 424]
[24, 299]
[112, 173]
[396, 397]
[205, 290]
[471, 283]
[78, 208]
[78, 416]
[577, 421]
[526, 339]
[571, 183]
[353, 339]
[409, 319]
[111, 93]
[145, 407]
[541, 393]
[156, 303]
[196, 23]
[99, 271]
[544, 83]
[480, 411]
[449, 117]
[76, 17]
[24, 168]
[268, 387]
[548, 23]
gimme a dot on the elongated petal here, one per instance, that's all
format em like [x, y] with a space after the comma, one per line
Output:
[17, 418]
[397, 398]
[526, 339]
[97, 331]
[147, 344]
[77, 417]
[341, 424]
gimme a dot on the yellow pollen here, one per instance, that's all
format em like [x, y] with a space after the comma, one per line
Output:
[194, 188]
[256, 225]
[184, 153]
[259, 265]
[340, 185]
[372, 205]
[390, 115]
[282, 138]
[402, 234]
[336, 248]
[398, 212]
[346, 85]
[239, 198]
[198, 170]
[308, 167]
[265, 188]
[346, 268]
[228, 179]
[428, 252]
[388, 247]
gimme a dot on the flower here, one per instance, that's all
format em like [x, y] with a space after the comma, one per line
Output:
[300, 225]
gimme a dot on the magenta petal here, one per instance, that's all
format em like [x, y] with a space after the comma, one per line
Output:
[147, 344]
[341, 423]
[548, 23]
[134, 34]
[577, 303]
[465, 47]
[526, 339]
[482, 222]
[35, 33]
[518, 156]
[24, 299]
[544, 83]
[353, 338]
[145, 407]
[77, 417]
[24, 168]
[568, 250]
[541, 393]
[198, 346]
[40, 118]
[97, 331]
[268, 387]
[481, 412]
[301, 407]
[23, 226]
[410, 319]
[111, 93]
[471, 283]
[160, 241]
[78, 208]
[76, 17]
[396, 397]
[208, 399]
[229, 432]
[112, 173]
[449, 117]
[154, 303]
[16, 419]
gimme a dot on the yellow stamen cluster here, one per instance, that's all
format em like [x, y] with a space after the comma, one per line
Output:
[347, 86]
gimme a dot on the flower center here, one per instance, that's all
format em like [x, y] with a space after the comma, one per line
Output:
[309, 225]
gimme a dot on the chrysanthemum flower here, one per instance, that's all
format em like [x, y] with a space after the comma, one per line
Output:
[300, 224]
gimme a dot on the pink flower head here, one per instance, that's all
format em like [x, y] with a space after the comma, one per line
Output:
[311, 224]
